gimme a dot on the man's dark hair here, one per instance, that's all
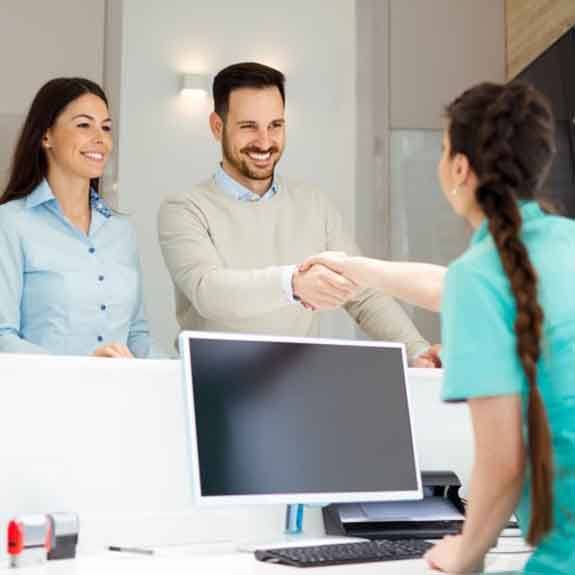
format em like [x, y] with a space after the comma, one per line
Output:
[244, 75]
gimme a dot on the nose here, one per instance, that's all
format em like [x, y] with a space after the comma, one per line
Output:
[100, 136]
[263, 139]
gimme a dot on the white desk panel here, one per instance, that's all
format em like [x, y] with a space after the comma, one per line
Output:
[92, 435]
[106, 438]
[108, 435]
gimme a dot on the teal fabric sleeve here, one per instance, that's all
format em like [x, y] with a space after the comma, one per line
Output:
[479, 344]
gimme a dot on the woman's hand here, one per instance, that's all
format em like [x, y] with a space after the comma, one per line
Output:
[113, 349]
[449, 556]
[351, 268]
[335, 261]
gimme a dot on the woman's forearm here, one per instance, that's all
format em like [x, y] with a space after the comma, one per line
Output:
[498, 472]
[415, 283]
[492, 500]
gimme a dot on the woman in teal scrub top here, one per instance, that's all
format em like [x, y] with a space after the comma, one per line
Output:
[508, 326]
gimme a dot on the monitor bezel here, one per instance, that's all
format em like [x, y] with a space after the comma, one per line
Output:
[280, 498]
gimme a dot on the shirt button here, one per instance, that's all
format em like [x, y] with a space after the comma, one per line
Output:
[92, 250]
[101, 278]
[103, 307]
[100, 338]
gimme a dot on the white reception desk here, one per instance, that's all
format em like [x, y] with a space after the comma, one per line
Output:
[106, 439]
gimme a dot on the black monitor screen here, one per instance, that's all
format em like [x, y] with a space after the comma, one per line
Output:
[276, 417]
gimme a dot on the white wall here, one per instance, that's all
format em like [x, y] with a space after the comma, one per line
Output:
[165, 142]
[414, 57]
[39, 41]
[437, 50]
[439, 61]
[372, 111]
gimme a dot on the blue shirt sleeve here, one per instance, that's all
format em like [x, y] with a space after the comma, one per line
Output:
[139, 339]
[139, 334]
[11, 280]
[479, 344]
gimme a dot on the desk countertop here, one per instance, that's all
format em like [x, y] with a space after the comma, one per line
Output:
[208, 561]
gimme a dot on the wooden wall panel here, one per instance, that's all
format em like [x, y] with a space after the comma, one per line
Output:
[532, 26]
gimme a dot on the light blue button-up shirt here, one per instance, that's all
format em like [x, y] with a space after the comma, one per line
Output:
[65, 292]
[235, 190]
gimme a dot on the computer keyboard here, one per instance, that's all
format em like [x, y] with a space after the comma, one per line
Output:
[356, 552]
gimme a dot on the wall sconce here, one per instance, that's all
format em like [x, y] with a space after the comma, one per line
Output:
[194, 84]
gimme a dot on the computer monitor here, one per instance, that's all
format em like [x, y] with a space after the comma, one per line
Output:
[297, 420]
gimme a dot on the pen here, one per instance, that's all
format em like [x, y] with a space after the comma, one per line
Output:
[139, 550]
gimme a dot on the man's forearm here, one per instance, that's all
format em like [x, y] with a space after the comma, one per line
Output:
[381, 317]
[225, 294]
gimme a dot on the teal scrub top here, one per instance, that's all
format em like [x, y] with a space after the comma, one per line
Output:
[480, 357]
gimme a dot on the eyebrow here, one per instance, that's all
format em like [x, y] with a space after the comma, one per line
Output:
[253, 122]
[90, 117]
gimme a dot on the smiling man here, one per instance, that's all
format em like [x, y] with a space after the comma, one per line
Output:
[233, 243]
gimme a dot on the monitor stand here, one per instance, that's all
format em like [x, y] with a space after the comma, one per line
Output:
[294, 519]
[294, 535]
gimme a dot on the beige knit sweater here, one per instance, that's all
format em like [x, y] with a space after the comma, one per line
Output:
[225, 258]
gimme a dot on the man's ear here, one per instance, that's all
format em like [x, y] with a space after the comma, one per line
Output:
[216, 126]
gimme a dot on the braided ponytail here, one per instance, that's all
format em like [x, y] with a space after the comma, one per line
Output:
[504, 221]
[509, 133]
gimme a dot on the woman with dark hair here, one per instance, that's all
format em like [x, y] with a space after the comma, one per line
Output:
[508, 325]
[69, 272]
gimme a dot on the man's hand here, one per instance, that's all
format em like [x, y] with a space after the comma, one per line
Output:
[320, 288]
[113, 350]
[429, 358]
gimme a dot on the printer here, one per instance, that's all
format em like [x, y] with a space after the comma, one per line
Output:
[439, 513]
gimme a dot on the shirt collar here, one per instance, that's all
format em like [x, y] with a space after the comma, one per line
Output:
[529, 210]
[98, 204]
[43, 194]
[235, 190]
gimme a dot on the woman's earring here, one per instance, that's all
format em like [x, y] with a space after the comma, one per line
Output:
[454, 191]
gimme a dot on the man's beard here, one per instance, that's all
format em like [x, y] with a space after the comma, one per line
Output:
[242, 166]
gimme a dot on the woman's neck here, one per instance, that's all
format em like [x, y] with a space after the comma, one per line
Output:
[476, 219]
[73, 196]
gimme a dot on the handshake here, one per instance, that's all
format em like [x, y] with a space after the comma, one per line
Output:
[330, 279]
[327, 281]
